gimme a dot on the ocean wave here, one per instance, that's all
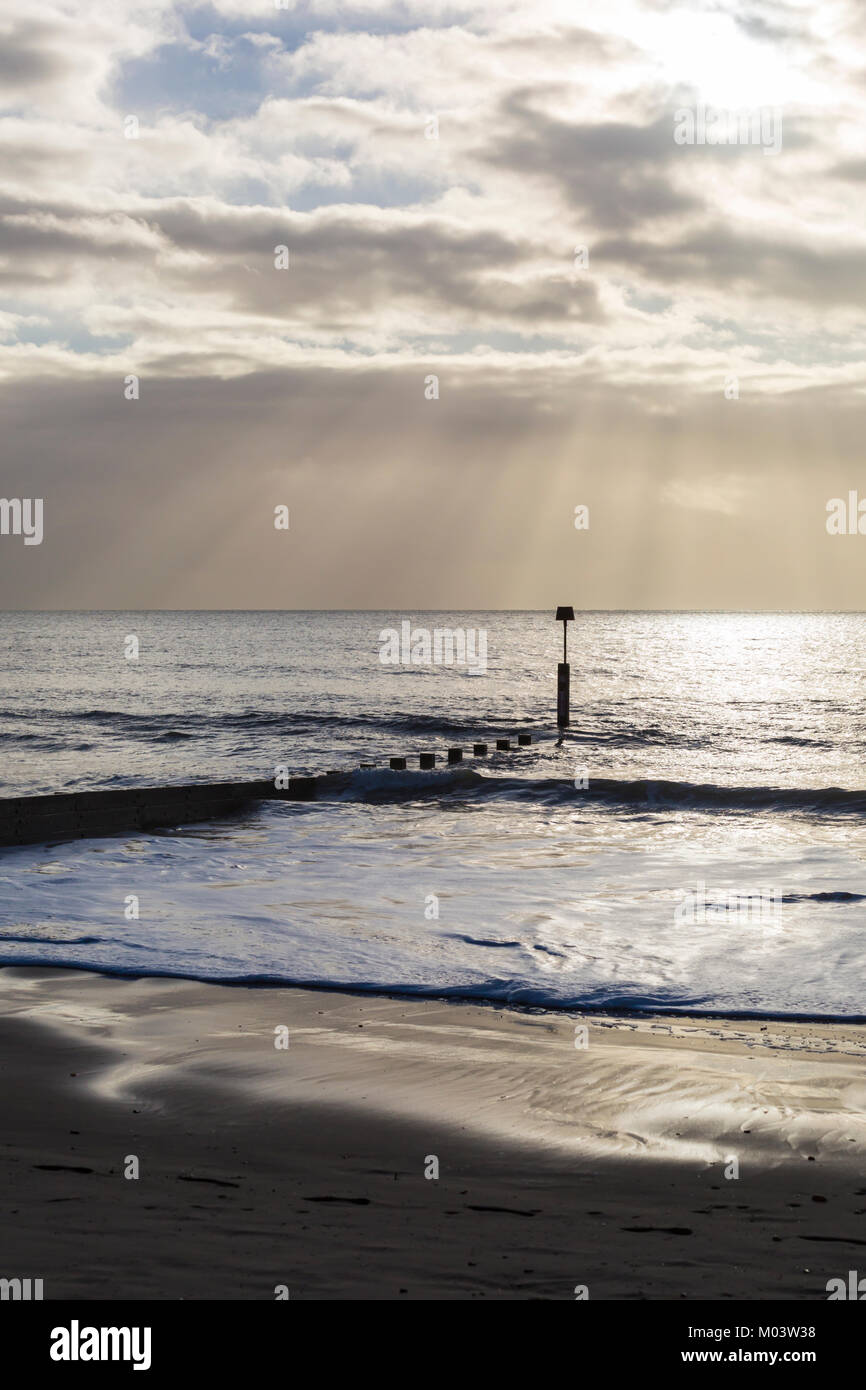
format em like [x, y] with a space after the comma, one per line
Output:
[649, 737]
[794, 741]
[381, 784]
[201, 723]
[829, 897]
[606, 731]
[494, 991]
[35, 939]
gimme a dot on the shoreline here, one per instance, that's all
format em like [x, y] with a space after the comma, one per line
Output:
[616, 1012]
[559, 1165]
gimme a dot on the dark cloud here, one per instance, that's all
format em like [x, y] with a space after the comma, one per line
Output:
[31, 55]
[724, 257]
[852, 169]
[617, 174]
[344, 265]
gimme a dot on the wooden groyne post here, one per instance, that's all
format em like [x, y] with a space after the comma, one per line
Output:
[28, 820]
[564, 615]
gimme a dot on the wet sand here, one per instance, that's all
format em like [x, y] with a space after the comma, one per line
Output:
[608, 1166]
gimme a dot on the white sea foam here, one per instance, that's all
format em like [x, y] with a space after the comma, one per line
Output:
[552, 909]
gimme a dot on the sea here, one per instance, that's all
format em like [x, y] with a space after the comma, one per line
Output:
[695, 843]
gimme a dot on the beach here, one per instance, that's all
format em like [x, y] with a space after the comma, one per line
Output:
[288, 1143]
[433, 708]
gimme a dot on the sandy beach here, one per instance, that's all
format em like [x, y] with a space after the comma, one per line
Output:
[608, 1166]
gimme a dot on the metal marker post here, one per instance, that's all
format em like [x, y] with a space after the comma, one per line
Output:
[565, 616]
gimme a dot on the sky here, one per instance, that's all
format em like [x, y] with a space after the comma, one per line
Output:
[432, 277]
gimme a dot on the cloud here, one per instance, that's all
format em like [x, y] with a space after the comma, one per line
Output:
[433, 169]
[617, 174]
[32, 56]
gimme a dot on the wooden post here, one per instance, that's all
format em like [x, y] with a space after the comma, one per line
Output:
[564, 615]
[563, 694]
